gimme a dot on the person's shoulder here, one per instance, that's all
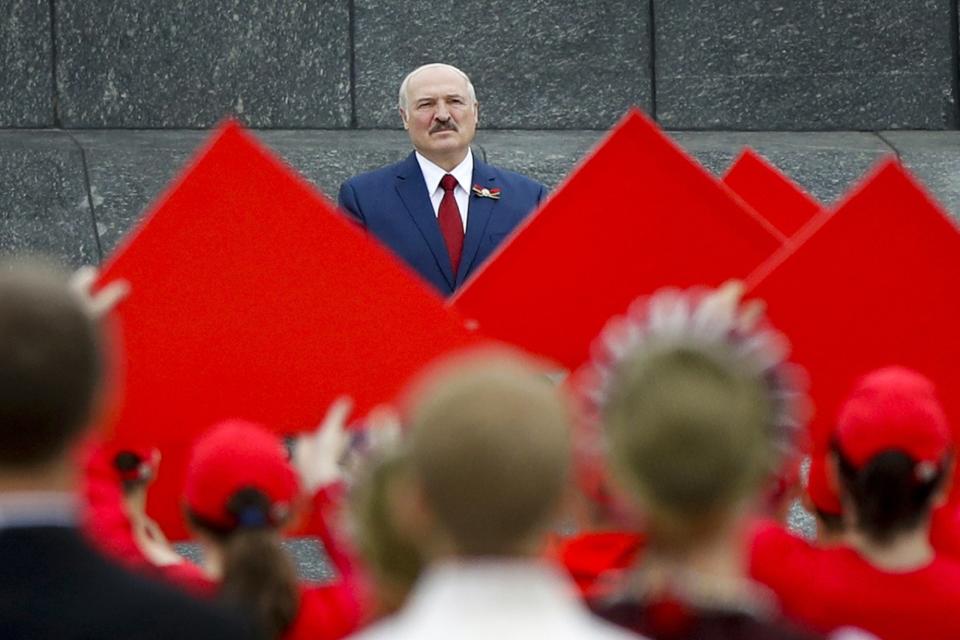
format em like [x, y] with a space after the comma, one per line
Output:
[138, 602]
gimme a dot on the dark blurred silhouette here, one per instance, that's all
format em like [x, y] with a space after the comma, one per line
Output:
[53, 585]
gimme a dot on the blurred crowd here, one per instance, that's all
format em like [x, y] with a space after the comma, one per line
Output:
[643, 495]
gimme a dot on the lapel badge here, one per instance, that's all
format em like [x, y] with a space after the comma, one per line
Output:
[483, 192]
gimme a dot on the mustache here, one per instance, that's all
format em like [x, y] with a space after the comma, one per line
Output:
[447, 125]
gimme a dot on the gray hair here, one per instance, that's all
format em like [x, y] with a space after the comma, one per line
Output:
[402, 99]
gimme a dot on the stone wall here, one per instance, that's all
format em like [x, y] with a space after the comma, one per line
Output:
[538, 64]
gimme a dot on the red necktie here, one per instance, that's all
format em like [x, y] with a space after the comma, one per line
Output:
[451, 226]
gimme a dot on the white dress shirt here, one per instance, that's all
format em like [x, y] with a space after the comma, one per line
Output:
[494, 600]
[463, 172]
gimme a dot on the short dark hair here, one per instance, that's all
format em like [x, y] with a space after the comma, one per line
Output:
[887, 495]
[50, 364]
[832, 522]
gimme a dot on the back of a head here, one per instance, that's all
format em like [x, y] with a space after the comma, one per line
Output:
[50, 364]
[390, 556]
[238, 491]
[894, 448]
[687, 435]
[490, 448]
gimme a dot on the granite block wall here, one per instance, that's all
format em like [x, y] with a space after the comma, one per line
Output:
[144, 64]
[26, 64]
[807, 64]
[537, 64]
[104, 180]
[44, 200]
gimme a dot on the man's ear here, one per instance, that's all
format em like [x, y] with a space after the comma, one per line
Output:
[403, 117]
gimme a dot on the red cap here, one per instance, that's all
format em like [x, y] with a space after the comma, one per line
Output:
[237, 455]
[893, 408]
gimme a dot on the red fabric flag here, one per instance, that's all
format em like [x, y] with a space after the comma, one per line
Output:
[637, 215]
[253, 298]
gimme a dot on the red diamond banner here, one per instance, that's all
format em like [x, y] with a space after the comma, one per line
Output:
[772, 194]
[252, 297]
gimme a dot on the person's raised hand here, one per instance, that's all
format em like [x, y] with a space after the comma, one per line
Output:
[97, 303]
[318, 456]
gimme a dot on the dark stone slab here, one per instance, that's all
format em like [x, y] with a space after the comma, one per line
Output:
[546, 156]
[327, 158]
[543, 64]
[129, 169]
[137, 63]
[26, 64]
[44, 206]
[825, 164]
[934, 158]
[829, 64]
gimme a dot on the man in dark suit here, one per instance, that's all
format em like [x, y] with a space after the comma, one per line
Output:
[52, 584]
[442, 210]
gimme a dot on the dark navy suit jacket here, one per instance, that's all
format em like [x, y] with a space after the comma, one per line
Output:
[393, 205]
[54, 585]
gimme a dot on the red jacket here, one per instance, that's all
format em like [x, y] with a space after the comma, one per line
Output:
[835, 587]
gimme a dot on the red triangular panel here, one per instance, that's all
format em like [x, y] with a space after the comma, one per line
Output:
[772, 194]
[637, 215]
[873, 284]
[252, 297]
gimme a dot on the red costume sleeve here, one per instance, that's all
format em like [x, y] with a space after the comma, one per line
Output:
[105, 520]
[335, 609]
[107, 526]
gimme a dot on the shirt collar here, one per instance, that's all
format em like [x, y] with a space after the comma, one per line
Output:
[501, 584]
[432, 174]
[37, 509]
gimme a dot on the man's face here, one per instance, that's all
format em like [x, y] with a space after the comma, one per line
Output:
[441, 117]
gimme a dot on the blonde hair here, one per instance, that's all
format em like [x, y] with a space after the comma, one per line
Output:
[392, 559]
[490, 449]
[686, 430]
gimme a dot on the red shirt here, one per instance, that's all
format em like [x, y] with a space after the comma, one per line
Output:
[834, 587]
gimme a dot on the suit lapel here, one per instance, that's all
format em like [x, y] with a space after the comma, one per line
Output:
[413, 193]
[478, 215]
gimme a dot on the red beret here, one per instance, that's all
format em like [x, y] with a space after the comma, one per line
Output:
[232, 456]
[893, 408]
